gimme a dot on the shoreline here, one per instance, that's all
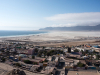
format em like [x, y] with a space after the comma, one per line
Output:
[56, 38]
[22, 35]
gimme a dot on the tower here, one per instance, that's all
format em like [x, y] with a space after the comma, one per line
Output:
[69, 49]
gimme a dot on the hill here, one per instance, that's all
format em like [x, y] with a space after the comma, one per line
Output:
[74, 28]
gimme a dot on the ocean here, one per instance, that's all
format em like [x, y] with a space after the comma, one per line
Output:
[4, 33]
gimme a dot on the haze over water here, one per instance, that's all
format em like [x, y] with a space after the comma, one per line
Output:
[4, 33]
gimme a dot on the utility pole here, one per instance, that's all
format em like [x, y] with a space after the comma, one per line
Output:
[66, 69]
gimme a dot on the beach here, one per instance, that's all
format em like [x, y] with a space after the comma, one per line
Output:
[57, 38]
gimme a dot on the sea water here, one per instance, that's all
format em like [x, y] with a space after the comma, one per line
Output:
[4, 33]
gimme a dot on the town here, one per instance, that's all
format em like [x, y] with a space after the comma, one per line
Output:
[62, 60]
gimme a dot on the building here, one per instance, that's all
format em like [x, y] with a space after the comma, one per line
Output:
[69, 49]
[30, 51]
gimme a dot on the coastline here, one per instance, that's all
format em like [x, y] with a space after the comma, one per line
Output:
[54, 38]
[23, 35]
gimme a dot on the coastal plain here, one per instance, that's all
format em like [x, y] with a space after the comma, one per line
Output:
[57, 38]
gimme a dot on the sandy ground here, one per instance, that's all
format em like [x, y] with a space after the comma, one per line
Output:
[4, 68]
[91, 72]
[57, 38]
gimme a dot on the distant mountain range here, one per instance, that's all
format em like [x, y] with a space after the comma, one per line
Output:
[74, 28]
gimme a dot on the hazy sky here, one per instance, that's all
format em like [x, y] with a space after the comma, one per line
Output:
[35, 14]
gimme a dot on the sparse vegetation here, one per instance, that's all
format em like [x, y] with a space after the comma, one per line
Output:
[50, 53]
[76, 50]
[33, 57]
[3, 59]
[80, 64]
[18, 64]
[35, 63]
[27, 62]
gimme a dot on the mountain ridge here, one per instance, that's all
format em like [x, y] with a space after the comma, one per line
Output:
[74, 28]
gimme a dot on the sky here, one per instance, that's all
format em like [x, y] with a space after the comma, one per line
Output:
[36, 14]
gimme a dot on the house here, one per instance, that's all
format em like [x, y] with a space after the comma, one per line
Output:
[30, 51]
[80, 49]
[84, 57]
[34, 68]
[48, 48]
[49, 70]
[87, 46]
[82, 61]
[97, 46]
[21, 56]
[71, 62]
[73, 55]
[12, 50]
[52, 64]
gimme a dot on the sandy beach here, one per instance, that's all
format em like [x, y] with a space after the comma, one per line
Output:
[57, 38]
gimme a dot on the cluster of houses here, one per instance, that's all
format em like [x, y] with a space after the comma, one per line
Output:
[25, 56]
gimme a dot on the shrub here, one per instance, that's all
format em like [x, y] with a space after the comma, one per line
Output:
[36, 50]
[45, 60]
[3, 59]
[76, 50]
[27, 61]
[33, 57]
[35, 63]
[18, 64]
[80, 64]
